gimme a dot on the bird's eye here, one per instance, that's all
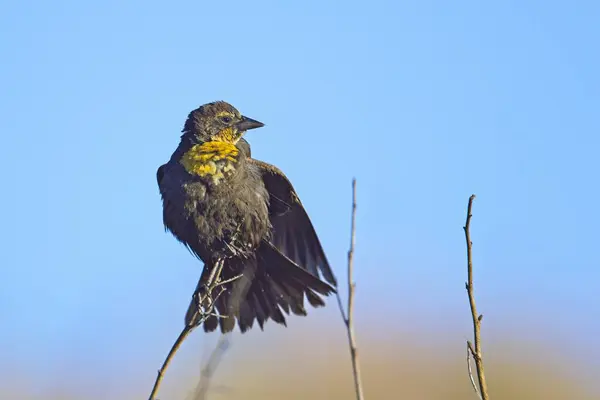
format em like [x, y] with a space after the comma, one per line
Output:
[226, 119]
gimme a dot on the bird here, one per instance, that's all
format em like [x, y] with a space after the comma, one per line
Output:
[244, 220]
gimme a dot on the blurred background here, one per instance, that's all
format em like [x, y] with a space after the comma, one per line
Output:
[424, 102]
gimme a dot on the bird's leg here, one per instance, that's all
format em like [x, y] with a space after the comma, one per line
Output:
[206, 301]
[226, 281]
[214, 279]
[231, 245]
[213, 301]
[215, 274]
[204, 298]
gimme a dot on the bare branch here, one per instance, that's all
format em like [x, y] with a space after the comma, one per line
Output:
[475, 350]
[214, 360]
[187, 329]
[348, 317]
[238, 293]
[207, 297]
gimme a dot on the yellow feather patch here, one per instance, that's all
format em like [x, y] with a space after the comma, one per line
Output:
[227, 135]
[214, 159]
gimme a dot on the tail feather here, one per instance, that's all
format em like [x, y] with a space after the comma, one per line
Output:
[211, 323]
[314, 299]
[226, 316]
[271, 285]
[296, 298]
[260, 313]
[264, 290]
[237, 298]
[277, 315]
[264, 308]
[284, 270]
[244, 317]
[285, 300]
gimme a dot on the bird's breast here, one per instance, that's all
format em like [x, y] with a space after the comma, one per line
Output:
[212, 161]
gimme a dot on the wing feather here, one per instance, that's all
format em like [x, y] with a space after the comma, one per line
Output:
[293, 232]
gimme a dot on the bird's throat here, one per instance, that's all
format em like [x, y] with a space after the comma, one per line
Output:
[214, 160]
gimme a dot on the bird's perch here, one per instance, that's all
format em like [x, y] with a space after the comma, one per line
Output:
[474, 350]
[212, 284]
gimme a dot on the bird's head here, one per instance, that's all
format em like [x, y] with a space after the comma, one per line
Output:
[217, 122]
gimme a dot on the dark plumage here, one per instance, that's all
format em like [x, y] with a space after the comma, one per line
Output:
[225, 206]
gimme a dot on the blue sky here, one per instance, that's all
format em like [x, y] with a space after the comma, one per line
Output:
[424, 102]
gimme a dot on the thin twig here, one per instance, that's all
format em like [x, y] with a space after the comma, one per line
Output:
[476, 351]
[184, 334]
[212, 283]
[238, 292]
[209, 369]
[348, 317]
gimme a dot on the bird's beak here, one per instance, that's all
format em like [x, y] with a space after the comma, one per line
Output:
[247, 124]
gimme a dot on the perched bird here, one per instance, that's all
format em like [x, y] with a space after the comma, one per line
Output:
[244, 215]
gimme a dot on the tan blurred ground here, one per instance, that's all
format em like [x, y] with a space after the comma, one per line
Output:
[301, 364]
[403, 369]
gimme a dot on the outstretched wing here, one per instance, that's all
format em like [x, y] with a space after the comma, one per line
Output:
[293, 232]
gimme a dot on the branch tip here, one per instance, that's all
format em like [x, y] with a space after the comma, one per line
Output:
[474, 349]
[347, 315]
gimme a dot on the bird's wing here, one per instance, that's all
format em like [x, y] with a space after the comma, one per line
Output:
[293, 232]
[163, 187]
[160, 172]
